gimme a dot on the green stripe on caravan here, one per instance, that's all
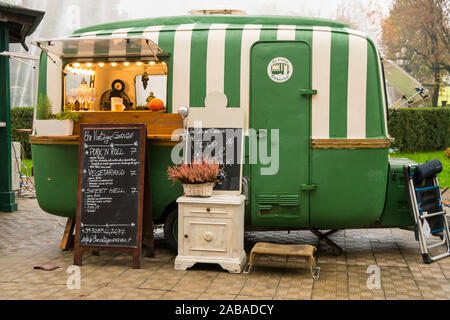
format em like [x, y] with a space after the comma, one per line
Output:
[199, 46]
[338, 88]
[165, 41]
[375, 119]
[232, 78]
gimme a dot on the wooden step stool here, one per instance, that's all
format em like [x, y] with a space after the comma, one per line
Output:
[299, 250]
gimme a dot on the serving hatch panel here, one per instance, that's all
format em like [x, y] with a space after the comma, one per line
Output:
[101, 47]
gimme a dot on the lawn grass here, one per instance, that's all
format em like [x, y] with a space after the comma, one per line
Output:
[421, 157]
[27, 163]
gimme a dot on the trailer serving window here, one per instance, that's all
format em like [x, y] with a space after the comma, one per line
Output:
[110, 73]
[115, 86]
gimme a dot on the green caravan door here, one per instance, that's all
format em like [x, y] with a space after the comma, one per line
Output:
[279, 71]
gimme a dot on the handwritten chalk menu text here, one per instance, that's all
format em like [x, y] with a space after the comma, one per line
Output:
[224, 145]
[111, 183]
[110, 187]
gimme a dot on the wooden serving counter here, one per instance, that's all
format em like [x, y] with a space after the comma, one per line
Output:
[160, 126]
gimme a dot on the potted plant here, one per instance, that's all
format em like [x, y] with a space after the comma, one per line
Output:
[198, 178]
[46, 124]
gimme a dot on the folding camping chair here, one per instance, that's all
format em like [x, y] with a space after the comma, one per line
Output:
[426, 207]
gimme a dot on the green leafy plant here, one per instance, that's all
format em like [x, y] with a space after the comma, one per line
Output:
[44, 111]
[68, 115]
[43, 108]
[22, 118]
[206, 171]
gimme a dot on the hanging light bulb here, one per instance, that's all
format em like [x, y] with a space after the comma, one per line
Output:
[88, 64]
[114, 64]
[101, 64]
[139, 63]
[126, 63]
[152, 63]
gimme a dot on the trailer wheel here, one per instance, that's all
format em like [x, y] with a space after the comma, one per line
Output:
[171, 229]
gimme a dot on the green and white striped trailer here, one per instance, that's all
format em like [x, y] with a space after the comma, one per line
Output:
[317, 81]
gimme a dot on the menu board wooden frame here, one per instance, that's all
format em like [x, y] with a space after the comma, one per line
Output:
[135, 251]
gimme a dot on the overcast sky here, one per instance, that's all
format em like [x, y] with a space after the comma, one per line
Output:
[324, 8]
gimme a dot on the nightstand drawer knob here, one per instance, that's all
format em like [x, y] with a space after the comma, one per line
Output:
[186, 236]
[208, 209]
[208, 236]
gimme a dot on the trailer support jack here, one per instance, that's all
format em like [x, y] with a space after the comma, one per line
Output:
[324, 237]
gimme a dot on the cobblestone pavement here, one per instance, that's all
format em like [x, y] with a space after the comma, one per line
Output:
[30, 237]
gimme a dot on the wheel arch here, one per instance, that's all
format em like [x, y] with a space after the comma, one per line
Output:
[166, 211]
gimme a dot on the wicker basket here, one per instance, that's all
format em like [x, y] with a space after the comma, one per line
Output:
[198, 189]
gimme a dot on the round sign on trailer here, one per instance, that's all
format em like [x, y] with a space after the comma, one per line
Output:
[280, 69]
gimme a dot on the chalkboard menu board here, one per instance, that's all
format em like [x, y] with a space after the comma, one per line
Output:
[110, 187]
[225, 146]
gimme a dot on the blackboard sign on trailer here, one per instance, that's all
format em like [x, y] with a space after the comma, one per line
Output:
[224, 145]
[110, 189]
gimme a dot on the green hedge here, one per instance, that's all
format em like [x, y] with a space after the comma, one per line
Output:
[420, 130]
[22, 118]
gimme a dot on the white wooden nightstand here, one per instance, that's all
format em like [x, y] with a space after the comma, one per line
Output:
[211, 230]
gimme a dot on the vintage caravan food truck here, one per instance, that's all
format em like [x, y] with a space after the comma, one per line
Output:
[312, 88]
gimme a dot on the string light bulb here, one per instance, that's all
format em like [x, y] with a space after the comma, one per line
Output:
[152, 63]
[114, 64]
[126, 63]
[139, 63]
[101, 64]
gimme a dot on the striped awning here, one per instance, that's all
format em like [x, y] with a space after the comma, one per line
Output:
[101, 47]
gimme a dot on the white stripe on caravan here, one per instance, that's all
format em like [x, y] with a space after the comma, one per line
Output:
[114, 49]
[320, 103]
[123, 31]
[286, 32]
[250, 34]
[54, 83]
[152, 34]
[181, 66]
[380, 71]
[357, 87]
[356, 33]
[215, 58]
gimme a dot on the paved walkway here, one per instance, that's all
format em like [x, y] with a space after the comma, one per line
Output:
[30, 237]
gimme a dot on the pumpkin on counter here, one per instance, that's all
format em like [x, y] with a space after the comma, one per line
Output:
[156, 104]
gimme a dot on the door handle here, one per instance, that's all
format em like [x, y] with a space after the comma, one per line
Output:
[308, 92]
[308, 187]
